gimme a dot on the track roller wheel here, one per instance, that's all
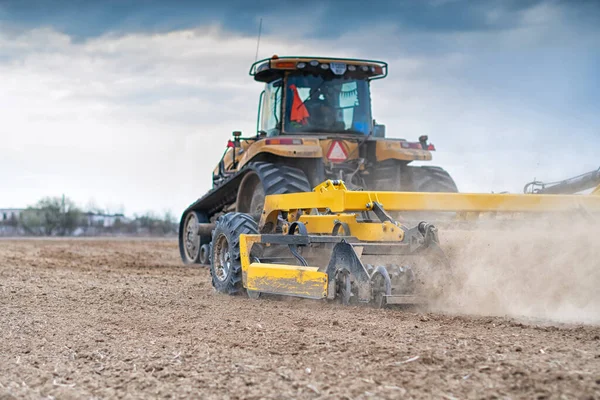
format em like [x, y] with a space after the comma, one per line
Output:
[225, 264]
[204, 258]
[190, 243]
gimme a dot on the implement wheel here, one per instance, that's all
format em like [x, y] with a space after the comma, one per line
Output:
[345, 293]
[225, 264]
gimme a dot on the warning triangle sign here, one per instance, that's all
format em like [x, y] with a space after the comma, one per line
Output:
[337, 152]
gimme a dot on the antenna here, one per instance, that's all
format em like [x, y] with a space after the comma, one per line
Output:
[258, 41]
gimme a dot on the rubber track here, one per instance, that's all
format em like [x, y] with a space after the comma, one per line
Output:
[233, 225]
[276, 179]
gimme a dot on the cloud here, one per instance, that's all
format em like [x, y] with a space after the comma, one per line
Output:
[138, 119]
[87, 18]
[141, 119]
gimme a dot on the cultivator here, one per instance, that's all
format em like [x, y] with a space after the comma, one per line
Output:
[333, 243]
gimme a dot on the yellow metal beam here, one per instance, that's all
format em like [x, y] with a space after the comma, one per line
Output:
[366, 231]
[337, 199]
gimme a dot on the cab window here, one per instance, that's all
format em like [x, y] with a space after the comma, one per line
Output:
[271, 108]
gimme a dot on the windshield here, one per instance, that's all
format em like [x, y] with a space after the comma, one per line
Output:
[338, 105]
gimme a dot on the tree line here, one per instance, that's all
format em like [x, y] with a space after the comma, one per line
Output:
[60, 216]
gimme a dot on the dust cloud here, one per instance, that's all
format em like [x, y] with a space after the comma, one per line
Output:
[542, 269]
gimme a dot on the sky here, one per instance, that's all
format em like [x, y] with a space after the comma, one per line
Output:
[128, 105]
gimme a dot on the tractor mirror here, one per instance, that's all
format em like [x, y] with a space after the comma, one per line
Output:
[237, 134]
[378, 130]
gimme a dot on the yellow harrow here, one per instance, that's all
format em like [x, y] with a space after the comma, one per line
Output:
[335, 243]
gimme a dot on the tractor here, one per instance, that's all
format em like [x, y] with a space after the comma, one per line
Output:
[314, 124]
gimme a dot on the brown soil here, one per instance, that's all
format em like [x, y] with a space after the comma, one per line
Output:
[122, 318]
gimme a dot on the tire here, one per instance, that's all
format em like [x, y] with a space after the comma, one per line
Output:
[388, 176]
[395, 175]
[190, 243]
[265, 179]
[432, 179]
[225, 263]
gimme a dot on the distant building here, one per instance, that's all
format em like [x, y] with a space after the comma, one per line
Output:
[6, 214]
[105, 220]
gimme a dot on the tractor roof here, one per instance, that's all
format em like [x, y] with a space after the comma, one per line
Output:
[275, 67]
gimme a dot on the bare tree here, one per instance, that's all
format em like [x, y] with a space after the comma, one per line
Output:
[52, 216]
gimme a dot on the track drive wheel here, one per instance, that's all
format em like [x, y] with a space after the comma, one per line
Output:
[389, 175]
[225, 264]
[395, 175]
[190, 243]
[431, 179]
[264, 179]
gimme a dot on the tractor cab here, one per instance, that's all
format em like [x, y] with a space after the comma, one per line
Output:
[316, 96]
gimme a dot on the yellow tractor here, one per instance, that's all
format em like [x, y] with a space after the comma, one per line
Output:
[314, 123]
[315, 204]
